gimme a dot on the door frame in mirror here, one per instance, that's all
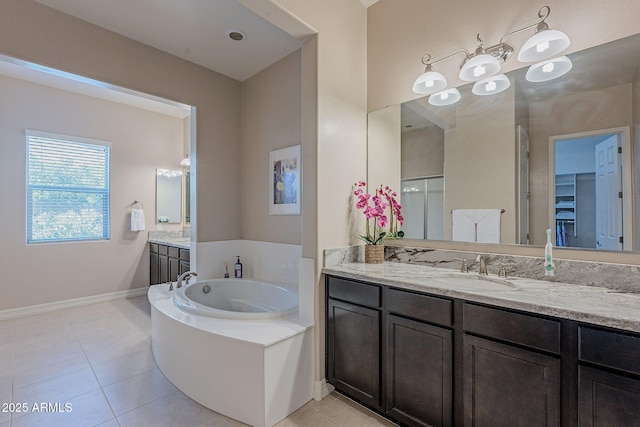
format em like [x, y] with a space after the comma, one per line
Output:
[627, 180]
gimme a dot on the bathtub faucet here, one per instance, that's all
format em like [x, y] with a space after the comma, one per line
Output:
[184, 276]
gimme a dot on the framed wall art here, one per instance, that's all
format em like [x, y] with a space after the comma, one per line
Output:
[284, 181]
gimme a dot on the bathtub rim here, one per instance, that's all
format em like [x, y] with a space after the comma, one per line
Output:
[263, 332]
[183, 302]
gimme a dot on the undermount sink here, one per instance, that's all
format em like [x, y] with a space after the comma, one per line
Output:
[476, 282]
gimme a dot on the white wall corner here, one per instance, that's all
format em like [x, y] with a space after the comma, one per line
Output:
[321, 389]
[306, 289]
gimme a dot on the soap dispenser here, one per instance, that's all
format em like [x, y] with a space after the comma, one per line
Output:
[238, 269]
[549, 267]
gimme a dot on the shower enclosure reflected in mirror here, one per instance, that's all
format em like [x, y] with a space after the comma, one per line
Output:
[168, 196]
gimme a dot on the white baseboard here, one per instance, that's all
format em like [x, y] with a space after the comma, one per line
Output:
[321, 389]
[75, 302]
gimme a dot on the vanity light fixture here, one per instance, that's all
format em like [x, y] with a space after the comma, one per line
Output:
[430, 81]
[486, 62]
[491, 85]
[445, 97]
[549, 69]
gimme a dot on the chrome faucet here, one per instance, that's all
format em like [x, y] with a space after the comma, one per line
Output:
[464, 268]
[483, 265]
[184, 276]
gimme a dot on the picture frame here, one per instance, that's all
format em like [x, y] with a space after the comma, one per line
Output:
[284, 181]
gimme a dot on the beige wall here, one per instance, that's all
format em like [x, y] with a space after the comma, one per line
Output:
[635, 140]
[141, 142]
[423, 152]
[271, 119]
[472, 180]
[42, 35]
[384, 157]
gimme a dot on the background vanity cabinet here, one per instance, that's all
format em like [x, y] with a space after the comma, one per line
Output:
[167, 263]
[353, 339]
[512, 368]
[609, 378]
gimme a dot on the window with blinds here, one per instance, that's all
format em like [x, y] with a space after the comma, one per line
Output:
[67, 188]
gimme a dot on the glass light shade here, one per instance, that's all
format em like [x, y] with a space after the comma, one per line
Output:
[491, 85]
[543, 45]
[186, 161]
[549, 69]
[446, 97]
[429, 82]
[479, 67]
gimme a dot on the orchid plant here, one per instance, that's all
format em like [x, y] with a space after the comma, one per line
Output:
[373, 208]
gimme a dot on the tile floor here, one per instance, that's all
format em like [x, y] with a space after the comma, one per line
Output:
[97, 360]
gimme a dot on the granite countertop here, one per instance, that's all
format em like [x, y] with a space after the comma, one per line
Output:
[589, 304]
[180, 242]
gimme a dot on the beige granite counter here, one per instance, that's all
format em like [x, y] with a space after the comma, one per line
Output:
[182, 242]
[589, 304]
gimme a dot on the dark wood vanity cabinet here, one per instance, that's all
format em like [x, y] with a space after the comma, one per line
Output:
[511, 368]
[373, 347]
[353, 340]
[167, 263]
[609, 378]
[426, 360]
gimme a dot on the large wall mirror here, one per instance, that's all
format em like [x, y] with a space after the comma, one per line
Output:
[168, 196]
[556, 154]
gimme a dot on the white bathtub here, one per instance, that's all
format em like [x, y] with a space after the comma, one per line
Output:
[256, 370]
[237, 299]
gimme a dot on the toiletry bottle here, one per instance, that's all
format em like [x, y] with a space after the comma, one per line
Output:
[238, 269]
[549, 267]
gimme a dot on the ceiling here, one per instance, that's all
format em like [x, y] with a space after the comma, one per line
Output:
[194, 30]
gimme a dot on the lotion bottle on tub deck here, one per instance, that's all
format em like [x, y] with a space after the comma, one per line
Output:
[238, 269]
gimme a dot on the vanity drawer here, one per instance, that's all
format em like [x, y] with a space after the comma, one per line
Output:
[355, 292]
[610, 349]
[185, 254]
[530, 331]
[163, 249]
[153, 248]
[174, 252]
[420, 307]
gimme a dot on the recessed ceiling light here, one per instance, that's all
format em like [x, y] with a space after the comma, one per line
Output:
[236, 35]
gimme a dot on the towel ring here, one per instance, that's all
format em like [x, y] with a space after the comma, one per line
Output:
[135, 202]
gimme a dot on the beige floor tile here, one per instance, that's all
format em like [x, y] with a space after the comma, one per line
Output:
[322, 404]
[348, 413]
[45, 369]
[173, 410]
[124, 367]
[307, 417]
[109, 347]
[111, 423]
[138, 390]
[58, 389]
[87, 410]
[31, 352]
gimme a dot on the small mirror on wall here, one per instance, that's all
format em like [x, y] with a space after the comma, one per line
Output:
[168, 196]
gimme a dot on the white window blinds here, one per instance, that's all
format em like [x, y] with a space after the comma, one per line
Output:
[67, 188]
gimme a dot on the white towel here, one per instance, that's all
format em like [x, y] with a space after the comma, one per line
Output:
[476, 225]
[137, 219]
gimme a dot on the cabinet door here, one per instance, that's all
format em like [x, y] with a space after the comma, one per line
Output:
[353, 351]
[419, 373]
[607, 400]
[154, 266]
[174, 269]
[163, 268]
[184, 266]
[508, 386]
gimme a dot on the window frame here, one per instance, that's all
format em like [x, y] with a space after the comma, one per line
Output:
[106, 191]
